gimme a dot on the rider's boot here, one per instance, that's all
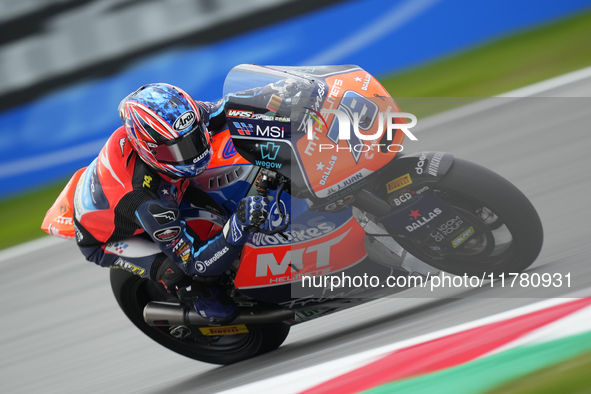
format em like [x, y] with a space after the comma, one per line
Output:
[206, 297]
[210, 301]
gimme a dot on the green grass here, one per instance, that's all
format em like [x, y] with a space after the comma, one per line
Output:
[22, 214]
[495, 67]
[489, 69]
[570, 376]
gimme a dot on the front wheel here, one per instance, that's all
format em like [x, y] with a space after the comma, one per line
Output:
[510, 232]
[133, 293]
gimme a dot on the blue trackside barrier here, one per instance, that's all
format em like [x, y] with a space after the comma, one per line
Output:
[53, 136]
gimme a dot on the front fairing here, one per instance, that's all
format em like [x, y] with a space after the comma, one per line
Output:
[277, 118]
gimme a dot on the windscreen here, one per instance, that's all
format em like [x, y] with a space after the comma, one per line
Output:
[284, 119]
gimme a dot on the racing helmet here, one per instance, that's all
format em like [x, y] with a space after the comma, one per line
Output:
[166, 129]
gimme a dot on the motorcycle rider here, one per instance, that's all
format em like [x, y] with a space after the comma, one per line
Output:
[126, 204]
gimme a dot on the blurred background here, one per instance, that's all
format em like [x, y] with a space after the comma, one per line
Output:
[66, 64]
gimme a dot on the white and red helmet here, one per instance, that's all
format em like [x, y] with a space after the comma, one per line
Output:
[166, 129]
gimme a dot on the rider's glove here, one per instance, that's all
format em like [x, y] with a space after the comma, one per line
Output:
[252, 212]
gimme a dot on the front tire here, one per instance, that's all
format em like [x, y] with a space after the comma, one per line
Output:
[513, 229]
[133, 293]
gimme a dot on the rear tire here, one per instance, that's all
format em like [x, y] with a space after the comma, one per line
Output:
[473, 189]
[133, 293]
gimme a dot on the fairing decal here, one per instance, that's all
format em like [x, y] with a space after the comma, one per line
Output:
[280, 264]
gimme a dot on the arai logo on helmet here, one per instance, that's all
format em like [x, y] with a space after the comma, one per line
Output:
[184, 121]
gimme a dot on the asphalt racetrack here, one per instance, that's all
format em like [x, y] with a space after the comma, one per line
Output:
[62, 331]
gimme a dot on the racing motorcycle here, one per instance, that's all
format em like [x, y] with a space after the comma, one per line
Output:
[345, 207]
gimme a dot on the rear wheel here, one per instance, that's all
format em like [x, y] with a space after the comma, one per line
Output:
[509, 232]
[133, 293]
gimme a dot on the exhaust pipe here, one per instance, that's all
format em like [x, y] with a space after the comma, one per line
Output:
[165, 314]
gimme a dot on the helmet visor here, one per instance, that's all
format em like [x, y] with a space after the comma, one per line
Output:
[183, 150]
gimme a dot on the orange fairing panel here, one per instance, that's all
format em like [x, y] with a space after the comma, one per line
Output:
[59, 218]
[224, 152]
[328, 164]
